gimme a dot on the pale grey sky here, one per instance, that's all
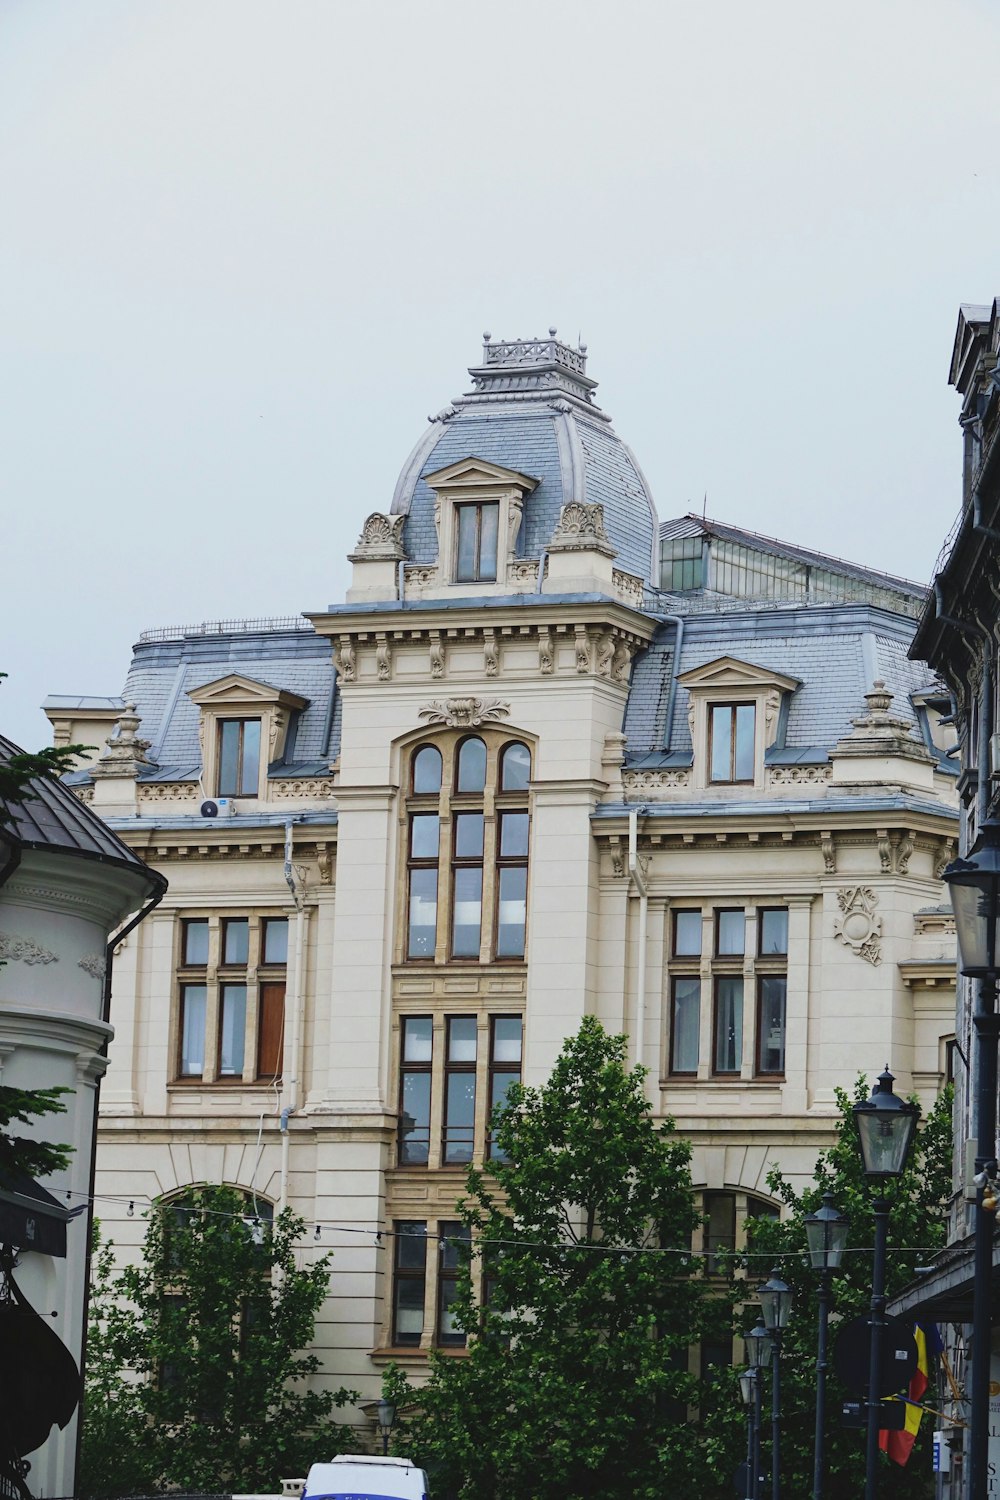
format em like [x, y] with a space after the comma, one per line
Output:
[246, 246]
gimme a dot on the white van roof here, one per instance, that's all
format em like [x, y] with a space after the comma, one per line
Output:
[364, 1477]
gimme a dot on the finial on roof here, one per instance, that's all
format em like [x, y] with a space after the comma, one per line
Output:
[552, 331]
[487, 337]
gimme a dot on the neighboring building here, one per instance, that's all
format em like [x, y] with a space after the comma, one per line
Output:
[958, 635]
[536, 785]
[66, 885]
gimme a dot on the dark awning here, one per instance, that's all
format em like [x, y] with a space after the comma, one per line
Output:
[30, 1217]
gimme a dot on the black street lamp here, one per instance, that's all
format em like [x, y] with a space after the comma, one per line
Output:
[826, 1236]
[759, 1345]
[748, 1383]
[775, 1305]
[386, 1419]
[886, 1125]
[974, 887]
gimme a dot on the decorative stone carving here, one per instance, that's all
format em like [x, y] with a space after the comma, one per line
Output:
[83, 793]
[383, 659]
[276, 727]
[798, 775]
[944, 856]
[622, 664]
[904, 852]
[437, 656]
[581, 528]
[93, 964]
[294, 789]
[515, 510]
[653, 782]
[629, 586]
[884, 853]
[464, 713]
[828, 849]
[381, 539]
[582, 650]
[344, 659]
[523, 570]
[491, 654]
[877, 732]
[24, 950]
[126, 753]
[168, 791]
[605, 654]
[324, 864]
[546, 652]
[772, 703]
[420, 575]
[858, 926]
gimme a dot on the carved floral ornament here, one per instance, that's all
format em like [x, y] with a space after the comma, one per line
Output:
[581, 527]
[858, 926]
[381, 538]
[24, 950]
[464, 713]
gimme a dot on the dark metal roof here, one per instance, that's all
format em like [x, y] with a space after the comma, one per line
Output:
[52, 818]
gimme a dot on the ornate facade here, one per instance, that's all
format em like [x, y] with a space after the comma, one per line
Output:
[548, 759]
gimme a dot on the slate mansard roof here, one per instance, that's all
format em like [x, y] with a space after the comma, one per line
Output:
[532, 409]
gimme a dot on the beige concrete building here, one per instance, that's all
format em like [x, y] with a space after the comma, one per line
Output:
[548, 759]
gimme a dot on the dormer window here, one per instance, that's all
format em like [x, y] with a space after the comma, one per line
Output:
[244, 727]
[732, 735]
[736, 712]
[476, 548]
[239, 758]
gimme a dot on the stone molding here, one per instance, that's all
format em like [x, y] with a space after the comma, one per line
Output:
[653, 783]
[168, 791]
[125, 755]
[284, 789]
[798, 775]
[629, 587]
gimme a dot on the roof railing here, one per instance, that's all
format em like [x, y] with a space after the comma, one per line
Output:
[225, 627]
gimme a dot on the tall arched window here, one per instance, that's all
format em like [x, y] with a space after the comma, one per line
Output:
[467, 850]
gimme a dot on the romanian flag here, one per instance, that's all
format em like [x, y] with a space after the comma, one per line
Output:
[898, 1445]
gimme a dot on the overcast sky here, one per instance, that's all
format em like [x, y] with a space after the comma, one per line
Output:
[246, 248]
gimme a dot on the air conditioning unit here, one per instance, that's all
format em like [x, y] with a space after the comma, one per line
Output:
[218, 807]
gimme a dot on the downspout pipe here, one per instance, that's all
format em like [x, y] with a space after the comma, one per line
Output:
[678, 624]
[293, 1013]
[638, 883]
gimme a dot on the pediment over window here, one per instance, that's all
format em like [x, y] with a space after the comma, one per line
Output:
[728, 673]
[237, 691]
[476, 473]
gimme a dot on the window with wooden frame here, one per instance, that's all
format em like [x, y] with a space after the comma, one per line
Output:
[467, 843]
[453, 1253]
[444, 1075]
[477, 531]
[238, 757]
[409, 1281]
[731, 736]
[739, 1038]
[231, 981]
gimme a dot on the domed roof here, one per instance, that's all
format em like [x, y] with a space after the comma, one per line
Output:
[532, 409]
[52, 818]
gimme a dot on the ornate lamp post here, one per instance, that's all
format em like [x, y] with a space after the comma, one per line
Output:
[759, 1346]
[974, 887]
[775, 1305]
[826, 1236]
[386, 1419]
[886, 1126]
[748, 1382]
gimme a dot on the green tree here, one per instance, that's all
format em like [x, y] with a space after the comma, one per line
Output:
[917, 1227]
[195, 1372]
[575, 1382]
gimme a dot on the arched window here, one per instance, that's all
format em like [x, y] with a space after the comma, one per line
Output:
[467, 872]
[471, 772]
[426, 771]
[515, 768]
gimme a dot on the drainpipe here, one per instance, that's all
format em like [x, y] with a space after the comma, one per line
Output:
[678, 624]
[638, 881]
[293, 1015]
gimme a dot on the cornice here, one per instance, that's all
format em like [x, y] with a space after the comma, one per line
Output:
[464, 615]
